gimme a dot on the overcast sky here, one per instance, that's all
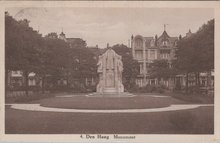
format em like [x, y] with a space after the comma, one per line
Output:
[113, 25]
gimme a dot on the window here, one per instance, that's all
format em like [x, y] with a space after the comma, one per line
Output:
[141, 69]
[146, 53]
[152, 43]
[152, 54]
[165, 56]
[138, 55]
[165, 43]
[139, 43]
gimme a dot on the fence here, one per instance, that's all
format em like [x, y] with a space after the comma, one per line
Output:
[20, 93]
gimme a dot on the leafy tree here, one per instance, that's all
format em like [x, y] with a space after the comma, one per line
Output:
[161, 69]
[48, 56]
[52, 35]
[12, 59]
[204, 45]
[21, 46]
[82, 63]
[195, 54]
[54, 59]
[77, 43]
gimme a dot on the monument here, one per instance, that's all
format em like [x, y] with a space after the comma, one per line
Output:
[110, 69]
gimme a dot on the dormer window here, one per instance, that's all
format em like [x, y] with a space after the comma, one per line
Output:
[165, 43]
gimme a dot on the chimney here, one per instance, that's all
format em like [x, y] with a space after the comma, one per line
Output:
[156, 38]
[189, 33]
[132, 37]
[180, 37]
[129, 43]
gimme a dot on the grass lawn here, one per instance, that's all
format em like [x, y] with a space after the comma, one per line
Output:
[83, 102]
[194, 121]
[192, 98]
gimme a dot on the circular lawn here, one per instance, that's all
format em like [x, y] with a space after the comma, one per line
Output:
[102, 103]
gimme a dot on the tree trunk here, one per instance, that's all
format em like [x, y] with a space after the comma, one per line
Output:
[159, 80]
[198, 78]
[67, 80]
[187, 76]
[197, 82]
[43, 84]
[6, 81]
[209, 76]
[26, 82]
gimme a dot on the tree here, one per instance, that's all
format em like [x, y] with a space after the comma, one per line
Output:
[28, 51]
[21, 47]
[195, 54]
[77, 43]
[204, 45]
[82, 62]
[130, 66]
[54, 59]
[161, 69]
[12, 59]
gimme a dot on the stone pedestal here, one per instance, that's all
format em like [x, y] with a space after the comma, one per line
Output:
[110, 69]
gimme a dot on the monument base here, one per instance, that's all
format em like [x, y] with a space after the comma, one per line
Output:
[110, 94]
[110, 90]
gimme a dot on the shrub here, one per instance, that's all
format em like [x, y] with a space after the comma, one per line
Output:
[148, 89]
[23, 88]
[133, 88]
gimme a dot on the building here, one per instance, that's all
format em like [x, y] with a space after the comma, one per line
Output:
[147, 49]
[73, 42]
[16, 79]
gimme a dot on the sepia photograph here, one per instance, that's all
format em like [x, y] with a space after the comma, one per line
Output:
[119, 71]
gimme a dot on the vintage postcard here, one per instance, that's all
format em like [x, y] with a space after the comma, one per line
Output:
[109, 71]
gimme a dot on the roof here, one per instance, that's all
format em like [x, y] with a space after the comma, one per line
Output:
[148, 40]
[73, 39]
[62, 34]
[164, 36]
[173, 39]
[96, 51]
[20, 74]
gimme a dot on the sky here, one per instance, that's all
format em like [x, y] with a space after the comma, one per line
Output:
[99, 26]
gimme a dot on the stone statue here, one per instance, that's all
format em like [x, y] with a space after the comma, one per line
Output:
[110, 69]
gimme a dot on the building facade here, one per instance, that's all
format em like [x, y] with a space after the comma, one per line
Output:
[16, 79]
[148, 49]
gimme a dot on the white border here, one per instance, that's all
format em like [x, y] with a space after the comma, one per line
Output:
[152, 138]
